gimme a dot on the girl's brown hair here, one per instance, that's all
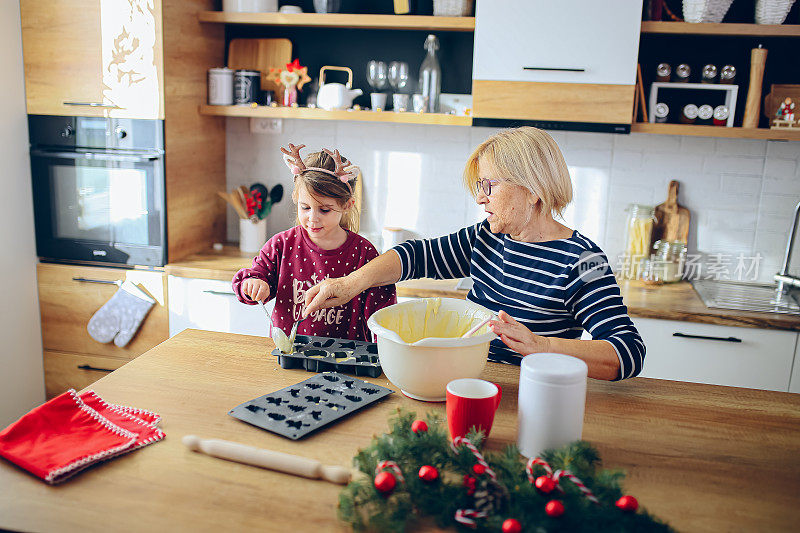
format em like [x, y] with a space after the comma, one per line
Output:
[321, 184]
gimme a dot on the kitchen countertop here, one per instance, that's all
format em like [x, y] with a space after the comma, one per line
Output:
[676, 301]
[701, 457]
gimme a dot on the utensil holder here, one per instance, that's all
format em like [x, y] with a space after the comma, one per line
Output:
[252, 236]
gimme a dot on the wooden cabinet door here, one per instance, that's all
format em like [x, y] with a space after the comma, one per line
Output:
[93, 58]
[70, 295]
[64, 371]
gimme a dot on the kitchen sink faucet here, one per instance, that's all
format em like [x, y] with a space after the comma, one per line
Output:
[783, 278]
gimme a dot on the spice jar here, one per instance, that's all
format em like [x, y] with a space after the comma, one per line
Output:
[689, 114]
[639, 230]
[728, 74]
[551, 402]
[682, 73]
[666, 264]
[721, 115]
[663, 72]
[704, 114]
[709, 74]
[661, 112]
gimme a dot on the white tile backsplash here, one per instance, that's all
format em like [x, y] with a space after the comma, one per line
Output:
[741, 192]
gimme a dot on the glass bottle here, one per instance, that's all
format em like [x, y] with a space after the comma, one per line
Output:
[430, 75]
[639, 230]
[669, 259]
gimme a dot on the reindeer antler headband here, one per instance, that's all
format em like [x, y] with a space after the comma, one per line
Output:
[344, 170]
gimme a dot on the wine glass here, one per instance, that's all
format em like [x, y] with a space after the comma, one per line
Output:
[398, 75]
[377, 74]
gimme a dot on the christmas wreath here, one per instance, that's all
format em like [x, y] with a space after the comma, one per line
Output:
[415, 474]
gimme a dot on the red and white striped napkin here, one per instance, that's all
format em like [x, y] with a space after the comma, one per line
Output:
[72, 432]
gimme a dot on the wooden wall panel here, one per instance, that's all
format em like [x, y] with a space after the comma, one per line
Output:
[195, 144]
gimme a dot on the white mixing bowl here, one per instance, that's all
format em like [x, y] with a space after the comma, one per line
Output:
[420, 346]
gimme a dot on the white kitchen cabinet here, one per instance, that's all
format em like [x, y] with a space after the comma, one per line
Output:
[572, 60]
[719, 355]
[211, 305]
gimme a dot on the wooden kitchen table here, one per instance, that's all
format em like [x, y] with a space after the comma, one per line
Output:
[701, 457]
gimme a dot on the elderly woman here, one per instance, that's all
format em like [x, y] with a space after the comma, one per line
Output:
[546, 282]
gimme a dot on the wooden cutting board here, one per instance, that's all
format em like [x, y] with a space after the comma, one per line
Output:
[261, 55]
[672, 219]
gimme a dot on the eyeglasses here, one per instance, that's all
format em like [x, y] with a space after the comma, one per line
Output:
[485, 185]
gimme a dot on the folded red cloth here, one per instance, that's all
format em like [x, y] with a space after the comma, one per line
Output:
[70, 433]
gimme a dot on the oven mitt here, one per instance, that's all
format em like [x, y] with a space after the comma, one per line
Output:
[121, 316]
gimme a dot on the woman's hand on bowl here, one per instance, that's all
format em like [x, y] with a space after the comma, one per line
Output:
[518, 337]
[329, 293]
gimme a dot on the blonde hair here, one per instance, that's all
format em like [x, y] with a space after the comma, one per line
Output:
[528, 157]
[320, 184]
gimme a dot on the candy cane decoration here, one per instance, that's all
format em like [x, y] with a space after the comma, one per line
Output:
[391, 465]
[468, 516]
[578, 483]
[458, 441]
[537, 461]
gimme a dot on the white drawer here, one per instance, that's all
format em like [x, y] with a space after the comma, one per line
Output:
[211, 305]
[719, 355]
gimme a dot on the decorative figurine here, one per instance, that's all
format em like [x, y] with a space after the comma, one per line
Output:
[292, 78]
[784, 116]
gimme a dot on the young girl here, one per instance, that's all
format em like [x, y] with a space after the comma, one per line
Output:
[322, 245]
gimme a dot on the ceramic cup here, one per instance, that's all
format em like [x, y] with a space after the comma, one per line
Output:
[290, 9]
[420, 103]
[399, 102]
[377, 101]
[252, 236]
[471, 402]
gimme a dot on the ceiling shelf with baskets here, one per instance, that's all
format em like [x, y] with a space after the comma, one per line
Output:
[724, 28]
[342, 20]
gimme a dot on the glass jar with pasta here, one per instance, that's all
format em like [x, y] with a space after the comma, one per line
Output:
[639, 230]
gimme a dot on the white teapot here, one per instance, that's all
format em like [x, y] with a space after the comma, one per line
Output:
[335, 95]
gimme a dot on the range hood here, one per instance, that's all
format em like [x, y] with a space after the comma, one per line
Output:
[598, 127]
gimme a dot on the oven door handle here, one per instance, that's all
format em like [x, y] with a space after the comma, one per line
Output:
[96, 156]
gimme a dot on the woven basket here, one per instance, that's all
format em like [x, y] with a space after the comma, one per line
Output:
[705, 10]
[772, 11]
[452, 8]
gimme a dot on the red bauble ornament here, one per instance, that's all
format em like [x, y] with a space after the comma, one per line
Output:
[479, 469]
[628, 503]
[419, 426]
[428, 473]
[545, 484]
[385, 482]
[511, 525]
[554, 508]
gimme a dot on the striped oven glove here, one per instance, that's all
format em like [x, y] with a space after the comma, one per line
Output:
[120, 317]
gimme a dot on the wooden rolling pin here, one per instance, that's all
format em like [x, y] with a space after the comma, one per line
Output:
[282, 462]
[752, 108]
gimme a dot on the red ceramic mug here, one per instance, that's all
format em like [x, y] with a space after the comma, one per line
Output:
[471, 402]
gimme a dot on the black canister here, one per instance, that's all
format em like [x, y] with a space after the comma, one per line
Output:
[246, 87]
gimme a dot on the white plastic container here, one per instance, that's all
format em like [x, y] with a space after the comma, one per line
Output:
[552, 399]
[420, 348]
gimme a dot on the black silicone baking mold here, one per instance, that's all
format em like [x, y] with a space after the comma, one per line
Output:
[296, 411]
[323, 354]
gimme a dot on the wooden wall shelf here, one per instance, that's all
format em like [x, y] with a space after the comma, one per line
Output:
[321, 114]
[733, 30]
[343, 20]
[717, 131]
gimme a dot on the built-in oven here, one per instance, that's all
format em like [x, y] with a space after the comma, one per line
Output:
[98, 189]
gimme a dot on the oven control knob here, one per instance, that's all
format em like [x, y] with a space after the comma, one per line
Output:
[121, 134]
[67, 131]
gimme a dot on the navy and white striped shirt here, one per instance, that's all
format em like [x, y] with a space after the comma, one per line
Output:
[555, 288]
